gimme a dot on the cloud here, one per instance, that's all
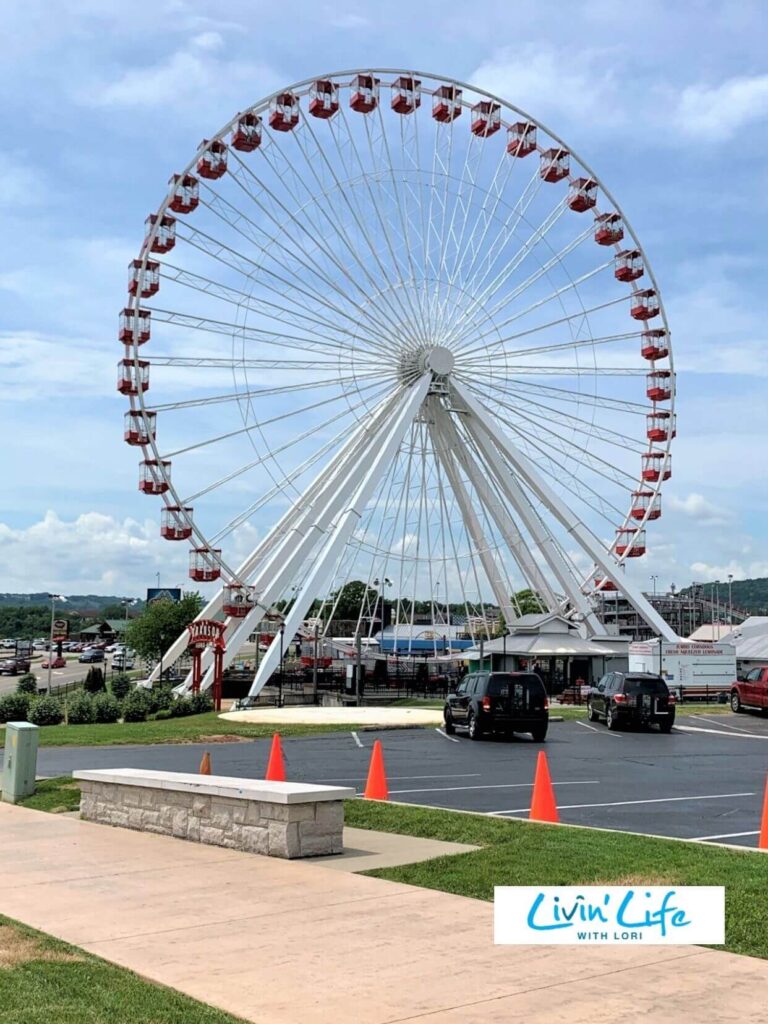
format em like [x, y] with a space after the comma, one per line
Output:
[696, 507]
[719, 112]
[719, 573]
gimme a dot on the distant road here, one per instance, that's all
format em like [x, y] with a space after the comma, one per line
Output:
[59, 676]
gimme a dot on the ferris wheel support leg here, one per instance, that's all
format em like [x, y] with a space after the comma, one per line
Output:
[276, 540]
[485, 440]
[567, 519]
[507, 527]
[386, 448]
[473, 526]
[308, 533]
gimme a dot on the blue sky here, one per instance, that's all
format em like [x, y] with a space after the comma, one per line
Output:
[669, 103]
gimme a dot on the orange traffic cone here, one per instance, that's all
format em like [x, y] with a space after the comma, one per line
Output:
[543, 805]
[762, 842]
[205, 764]
[276, 765]
[376, 787]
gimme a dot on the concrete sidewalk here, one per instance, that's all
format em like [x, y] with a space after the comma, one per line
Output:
[280, 942]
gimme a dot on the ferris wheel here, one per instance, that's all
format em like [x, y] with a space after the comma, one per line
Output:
[398, 334]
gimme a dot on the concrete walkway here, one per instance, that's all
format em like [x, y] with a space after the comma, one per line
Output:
[278, 942]
[392, 717]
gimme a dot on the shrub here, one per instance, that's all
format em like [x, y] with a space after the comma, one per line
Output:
[135, 706]
[160, 698]
[120, 685]
[106, 707]
[181, 707]
[163, 714]
[94, 681]
[14, 707]
[80, 710]
[45, 711]
[27, 684]
[201, 702]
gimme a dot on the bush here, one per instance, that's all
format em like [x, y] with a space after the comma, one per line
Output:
[181, 707]
[45, 711]
[163, 714]
[14, 707]
[160, 698]
[106, 707]
[94, 681]
[80, 710]
[136, 706]
[27, 684]
[120, 685]
[201, 702]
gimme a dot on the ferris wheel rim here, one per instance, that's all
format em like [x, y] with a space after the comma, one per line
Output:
[171, 497]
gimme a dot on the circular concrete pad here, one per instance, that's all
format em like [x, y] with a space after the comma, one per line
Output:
[338, 716]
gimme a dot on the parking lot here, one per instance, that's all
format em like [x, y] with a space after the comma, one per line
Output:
[705, 780]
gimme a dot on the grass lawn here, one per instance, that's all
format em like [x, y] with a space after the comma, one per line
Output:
[54, 795]
[519, 853]
[569, 711]
[43, 980]
[205, 728]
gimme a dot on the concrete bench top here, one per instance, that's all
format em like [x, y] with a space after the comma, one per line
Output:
[219, 785]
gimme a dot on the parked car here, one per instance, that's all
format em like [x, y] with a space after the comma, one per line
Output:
[122, 662]
[54, 662]
[637, 697]
[751, 691]
[39, 645]
[92, 655]
[14, 666]
[8, 644]
[506, 702]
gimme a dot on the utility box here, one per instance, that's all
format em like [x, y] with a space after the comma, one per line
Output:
[20, 760]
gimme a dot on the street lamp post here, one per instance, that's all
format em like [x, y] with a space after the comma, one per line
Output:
[653, 580]
[54, 598]
[314, 664]
[717, 605]
[282, 652]
[730, 600]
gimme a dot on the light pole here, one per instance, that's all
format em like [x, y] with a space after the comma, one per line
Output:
[282, 651]
[717, 605]
[314, 664]
[54, 598]
[653, 580]
[157, 575]
[730, 600]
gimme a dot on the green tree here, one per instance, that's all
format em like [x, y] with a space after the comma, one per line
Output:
[528, 602]
[159, 625]
[351, 598]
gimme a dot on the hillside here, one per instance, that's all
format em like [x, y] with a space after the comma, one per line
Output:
[748, 595]
[74, 602]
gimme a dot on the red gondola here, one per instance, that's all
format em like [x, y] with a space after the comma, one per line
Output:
[153, 476]
[521, 138]
[175, 522]
[582, 194]
[629, 265]
[555, 164]
[324, 98]
[204, 564]
[186, 193]
[656, 466]
[609, 228]
[661, 425]
[630, 542]
[645, 501]
[150, 283]
[132, 377]
[140, 429]
[238, 600]
[603, 586]
[134, 326]
[486, 118]
[284, 112]
[165, 236]
[659, 385]
[645, 304]
[246, 135]
[654, 345]
[364, 94]
[212, 163]
[446, 104]
[406, 95]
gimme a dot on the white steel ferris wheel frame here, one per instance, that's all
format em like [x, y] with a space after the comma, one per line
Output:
[320, 522]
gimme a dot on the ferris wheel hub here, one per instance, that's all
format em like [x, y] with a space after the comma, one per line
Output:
[437, 360]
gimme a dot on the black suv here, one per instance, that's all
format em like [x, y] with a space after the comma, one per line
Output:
[498, 702]
[638, 697]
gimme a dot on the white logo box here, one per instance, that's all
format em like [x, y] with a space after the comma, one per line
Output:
[597, 915]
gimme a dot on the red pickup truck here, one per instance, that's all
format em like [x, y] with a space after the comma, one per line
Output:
[751, 691]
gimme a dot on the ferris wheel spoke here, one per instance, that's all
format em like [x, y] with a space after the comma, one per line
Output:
[235, 362]
[517, 387]
[503, 356]
[578, 371]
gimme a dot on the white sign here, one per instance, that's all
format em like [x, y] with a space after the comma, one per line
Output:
[596, 915]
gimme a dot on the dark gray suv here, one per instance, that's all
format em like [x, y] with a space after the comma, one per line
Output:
[505, 702]
[642, 698]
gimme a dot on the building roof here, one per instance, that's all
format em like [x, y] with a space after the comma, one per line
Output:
[552, 645]
[750, 639]
[709, 633]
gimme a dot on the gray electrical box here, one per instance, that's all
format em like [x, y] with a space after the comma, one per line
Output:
[20, 761]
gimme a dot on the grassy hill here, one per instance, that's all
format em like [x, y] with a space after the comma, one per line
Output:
[749, 595]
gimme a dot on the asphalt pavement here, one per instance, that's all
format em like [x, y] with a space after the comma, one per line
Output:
[705, 780]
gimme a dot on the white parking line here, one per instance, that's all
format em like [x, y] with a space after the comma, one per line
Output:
[585, 726]
[720, 732]
[720, 725]
[727, 835]
[500, 785]
[628, 803]
[446, 736]
[406, 778]
[603, 732]
[357, 739]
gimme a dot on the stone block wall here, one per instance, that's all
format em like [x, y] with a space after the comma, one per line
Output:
[278, 830]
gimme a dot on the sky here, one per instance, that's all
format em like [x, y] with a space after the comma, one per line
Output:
[668, 102]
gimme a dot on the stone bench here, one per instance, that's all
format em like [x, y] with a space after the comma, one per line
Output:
[279, 819]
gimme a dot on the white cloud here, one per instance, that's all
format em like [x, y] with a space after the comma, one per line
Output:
[696, 507]
[719, 112]
[704, 571]
[22, 183]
